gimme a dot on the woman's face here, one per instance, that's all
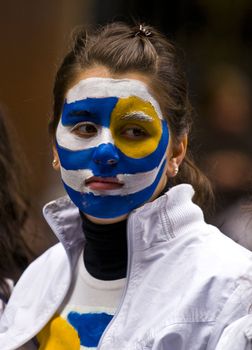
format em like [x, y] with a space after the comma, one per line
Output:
[112, 143]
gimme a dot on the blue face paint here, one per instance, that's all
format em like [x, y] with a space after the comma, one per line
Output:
[102, 172]
[90, 108]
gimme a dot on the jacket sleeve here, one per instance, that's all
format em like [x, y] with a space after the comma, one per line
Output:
[237, 336]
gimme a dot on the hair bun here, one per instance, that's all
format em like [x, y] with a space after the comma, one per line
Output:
[143, 31]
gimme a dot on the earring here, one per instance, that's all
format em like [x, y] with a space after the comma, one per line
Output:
[175, 167]
[54, 162]
[176, 170]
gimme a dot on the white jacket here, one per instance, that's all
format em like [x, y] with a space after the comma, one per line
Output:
[186, 281]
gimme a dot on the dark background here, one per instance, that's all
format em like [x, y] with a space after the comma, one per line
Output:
[216, 38]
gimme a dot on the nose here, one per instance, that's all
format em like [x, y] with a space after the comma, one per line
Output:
[106, 154]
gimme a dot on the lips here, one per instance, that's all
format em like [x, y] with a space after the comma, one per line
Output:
[103, 183]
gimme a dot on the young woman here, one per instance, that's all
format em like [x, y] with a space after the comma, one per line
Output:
[137, 267]
[14, 208]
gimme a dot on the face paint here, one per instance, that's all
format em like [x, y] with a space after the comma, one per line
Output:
[112, 143]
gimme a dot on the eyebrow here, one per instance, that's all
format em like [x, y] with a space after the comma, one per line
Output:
[80, 113]
[137, 116]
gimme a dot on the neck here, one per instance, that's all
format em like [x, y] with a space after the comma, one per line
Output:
[105, 252]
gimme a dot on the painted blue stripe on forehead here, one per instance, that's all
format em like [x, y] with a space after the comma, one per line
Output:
[112, 206]
[98, 109]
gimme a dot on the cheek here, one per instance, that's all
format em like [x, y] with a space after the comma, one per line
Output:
[138, 149]
[73, 160]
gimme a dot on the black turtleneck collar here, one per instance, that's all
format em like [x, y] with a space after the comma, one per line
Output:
[105, 252]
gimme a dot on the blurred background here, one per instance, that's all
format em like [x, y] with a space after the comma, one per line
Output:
[216, 38]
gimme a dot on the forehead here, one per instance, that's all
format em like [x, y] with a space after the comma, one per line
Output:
[99, 87]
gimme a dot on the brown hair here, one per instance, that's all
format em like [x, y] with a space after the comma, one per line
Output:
[121, 48]
[14, 205]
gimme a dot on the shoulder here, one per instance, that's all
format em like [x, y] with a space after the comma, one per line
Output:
[40, 290]
[221, 262]
[47, 262]
[50, 266]
[226, 251]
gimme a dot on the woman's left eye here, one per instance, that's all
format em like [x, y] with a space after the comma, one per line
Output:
[134, 133]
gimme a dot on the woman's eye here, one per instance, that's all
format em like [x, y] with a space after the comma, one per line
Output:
[85, 129]
[134, 133]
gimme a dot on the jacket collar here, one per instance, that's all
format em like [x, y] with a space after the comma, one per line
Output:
[167, 217]
[64, 219]
[159, 220]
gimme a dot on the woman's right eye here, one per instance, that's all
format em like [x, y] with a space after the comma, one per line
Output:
[85, 129]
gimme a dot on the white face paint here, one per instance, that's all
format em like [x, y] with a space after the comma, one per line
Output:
[67, 139]
[105, 87]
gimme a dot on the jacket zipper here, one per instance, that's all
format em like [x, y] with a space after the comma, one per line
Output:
[129, 247]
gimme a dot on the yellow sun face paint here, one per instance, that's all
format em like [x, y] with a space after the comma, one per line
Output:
[130, 112]
[58, 334]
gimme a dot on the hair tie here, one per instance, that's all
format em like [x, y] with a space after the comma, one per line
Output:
[143, 31]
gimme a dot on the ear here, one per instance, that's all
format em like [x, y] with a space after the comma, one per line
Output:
[56, 161]
[176, 156]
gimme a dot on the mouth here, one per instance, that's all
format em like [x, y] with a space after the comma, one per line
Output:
[103, 183]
